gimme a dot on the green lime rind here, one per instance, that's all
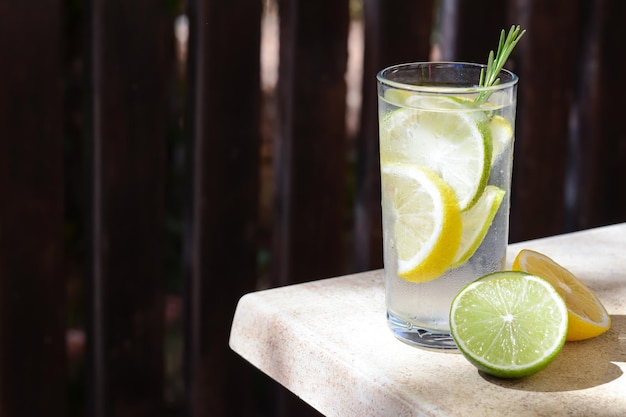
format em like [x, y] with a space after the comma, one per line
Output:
[485, 130]
[509, 324]
[476, 222]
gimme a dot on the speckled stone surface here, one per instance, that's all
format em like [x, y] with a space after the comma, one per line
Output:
[328, 342]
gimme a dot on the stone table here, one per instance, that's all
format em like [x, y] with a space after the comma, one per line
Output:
[328, 342]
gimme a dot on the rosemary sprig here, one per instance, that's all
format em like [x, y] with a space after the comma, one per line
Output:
[495, 64]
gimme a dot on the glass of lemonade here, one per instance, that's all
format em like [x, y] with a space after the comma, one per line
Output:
[446, 154]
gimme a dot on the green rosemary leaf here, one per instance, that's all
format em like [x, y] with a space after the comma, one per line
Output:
[489, 77]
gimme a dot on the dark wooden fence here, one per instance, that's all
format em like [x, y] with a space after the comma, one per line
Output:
[125, 181]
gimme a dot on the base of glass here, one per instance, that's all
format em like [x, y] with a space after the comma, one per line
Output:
[420, 336]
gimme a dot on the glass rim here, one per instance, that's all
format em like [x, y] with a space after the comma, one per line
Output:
[380, 76]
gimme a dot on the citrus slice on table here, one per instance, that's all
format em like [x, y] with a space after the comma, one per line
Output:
[476, 223]
[425, 226]
[454, 144]
[509, 324]
[587, 316]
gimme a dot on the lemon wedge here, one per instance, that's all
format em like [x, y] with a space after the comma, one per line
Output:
[587, 316]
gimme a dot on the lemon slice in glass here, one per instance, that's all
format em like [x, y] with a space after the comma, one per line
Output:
[509, 324]
[397, 97]
[445, 136]
[501, 134]
[476, 223]
[587, 315]
[422, 221]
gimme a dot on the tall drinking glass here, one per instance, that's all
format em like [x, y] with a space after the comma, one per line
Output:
[446, 154]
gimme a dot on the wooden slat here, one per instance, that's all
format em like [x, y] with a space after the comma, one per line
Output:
[395, 32]
[545, 96]
[32, 292]
[131, 62]
[224, 94]
[469, 29]
[310, 151]
[599, 157]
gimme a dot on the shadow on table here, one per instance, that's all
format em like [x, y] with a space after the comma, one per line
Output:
[580, 365]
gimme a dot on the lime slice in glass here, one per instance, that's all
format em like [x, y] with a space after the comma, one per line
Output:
[476, 223]
[445, 136]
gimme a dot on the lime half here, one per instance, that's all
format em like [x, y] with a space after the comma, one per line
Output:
[445, 136]
[509, 324]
